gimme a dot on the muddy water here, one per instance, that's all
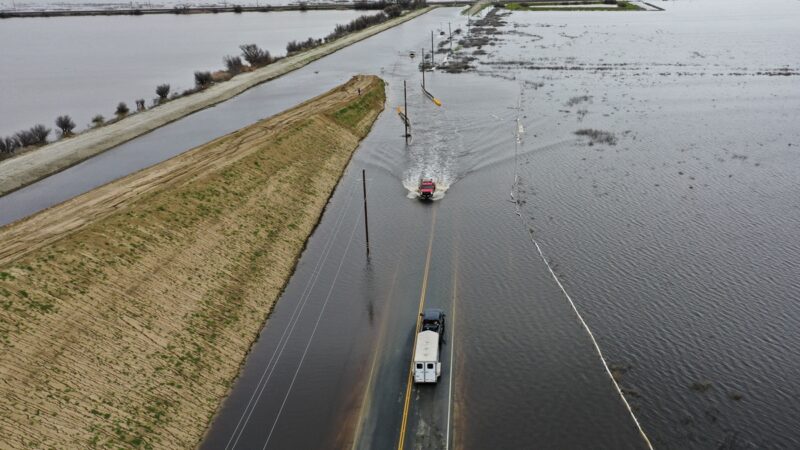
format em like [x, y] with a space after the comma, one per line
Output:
[83, 66]
[678, 242]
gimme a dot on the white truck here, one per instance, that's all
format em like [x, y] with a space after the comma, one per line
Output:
[427, 367]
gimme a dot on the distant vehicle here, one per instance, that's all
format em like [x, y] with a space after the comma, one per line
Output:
[427, 367]
[412, 54]
[426, 188]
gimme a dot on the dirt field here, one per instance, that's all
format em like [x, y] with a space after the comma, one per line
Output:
[32, 166]
[125, 312]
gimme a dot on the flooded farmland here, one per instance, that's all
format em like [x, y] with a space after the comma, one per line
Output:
[83, 66]
[657, 170]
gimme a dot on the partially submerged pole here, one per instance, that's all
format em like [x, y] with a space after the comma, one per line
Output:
[432, 52]
[366, 221]
[405, 109]
[423, 68]
[450, 30]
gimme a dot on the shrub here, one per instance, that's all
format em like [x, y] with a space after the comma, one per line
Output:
[237, 9]
[295, 46]
[162, 90]
[98, 120]
[412, 4]
[364, 4]
[25, 138]
[254, 55]
[122, 110]
[40, 133]
[393, 11]
[36, 135]
[8, 145]
[303, 6]
[357, 24]
[233, 64]
[65, 124]
[202, 79]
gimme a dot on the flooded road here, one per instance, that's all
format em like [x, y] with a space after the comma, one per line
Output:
[671, 218]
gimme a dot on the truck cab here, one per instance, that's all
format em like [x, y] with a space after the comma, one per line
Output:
[433, 320]
[426, 189]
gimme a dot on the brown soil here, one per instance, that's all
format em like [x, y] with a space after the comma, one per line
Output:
[126, 312]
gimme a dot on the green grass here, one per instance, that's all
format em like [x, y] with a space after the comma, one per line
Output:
[621, 6]
[351, 115]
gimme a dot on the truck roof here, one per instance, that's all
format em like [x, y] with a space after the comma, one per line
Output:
[427, 347]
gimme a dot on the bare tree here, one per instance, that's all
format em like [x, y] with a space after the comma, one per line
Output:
[25, 138]
[98, 120]
[254, 55]
[233, 64]
[40, 133]
[122, 110]
[65, 124]
[202, 79]
[8, 145]
[162, 90]
[393, 11]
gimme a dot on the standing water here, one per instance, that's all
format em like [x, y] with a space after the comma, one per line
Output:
[656, 170]
[83, 66]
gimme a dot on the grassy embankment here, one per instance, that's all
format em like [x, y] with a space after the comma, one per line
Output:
[125, 312]
[621, 6]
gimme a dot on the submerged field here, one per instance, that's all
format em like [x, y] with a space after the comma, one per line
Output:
[99, 65]
[122, 310]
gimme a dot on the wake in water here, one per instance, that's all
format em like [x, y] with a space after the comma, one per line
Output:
[434, 151]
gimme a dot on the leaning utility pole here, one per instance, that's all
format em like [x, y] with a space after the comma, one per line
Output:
[366, 221]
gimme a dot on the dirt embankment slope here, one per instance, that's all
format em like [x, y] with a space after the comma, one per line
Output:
[125, 312]
[30, 167]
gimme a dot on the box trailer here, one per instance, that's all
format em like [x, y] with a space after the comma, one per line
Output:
[427, 367]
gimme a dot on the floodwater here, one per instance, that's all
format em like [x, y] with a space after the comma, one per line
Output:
[680, 241]
[83, 66]
[673, 226]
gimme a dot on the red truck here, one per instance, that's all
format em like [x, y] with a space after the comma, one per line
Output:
[426, 188]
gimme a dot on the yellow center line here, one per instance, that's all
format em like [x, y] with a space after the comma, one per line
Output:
[376, 352]
[404, 423]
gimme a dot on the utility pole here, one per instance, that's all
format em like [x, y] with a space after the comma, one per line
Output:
[423, 68]
[432, 52]
[366, 221]
[450, 30]
[405, 110]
